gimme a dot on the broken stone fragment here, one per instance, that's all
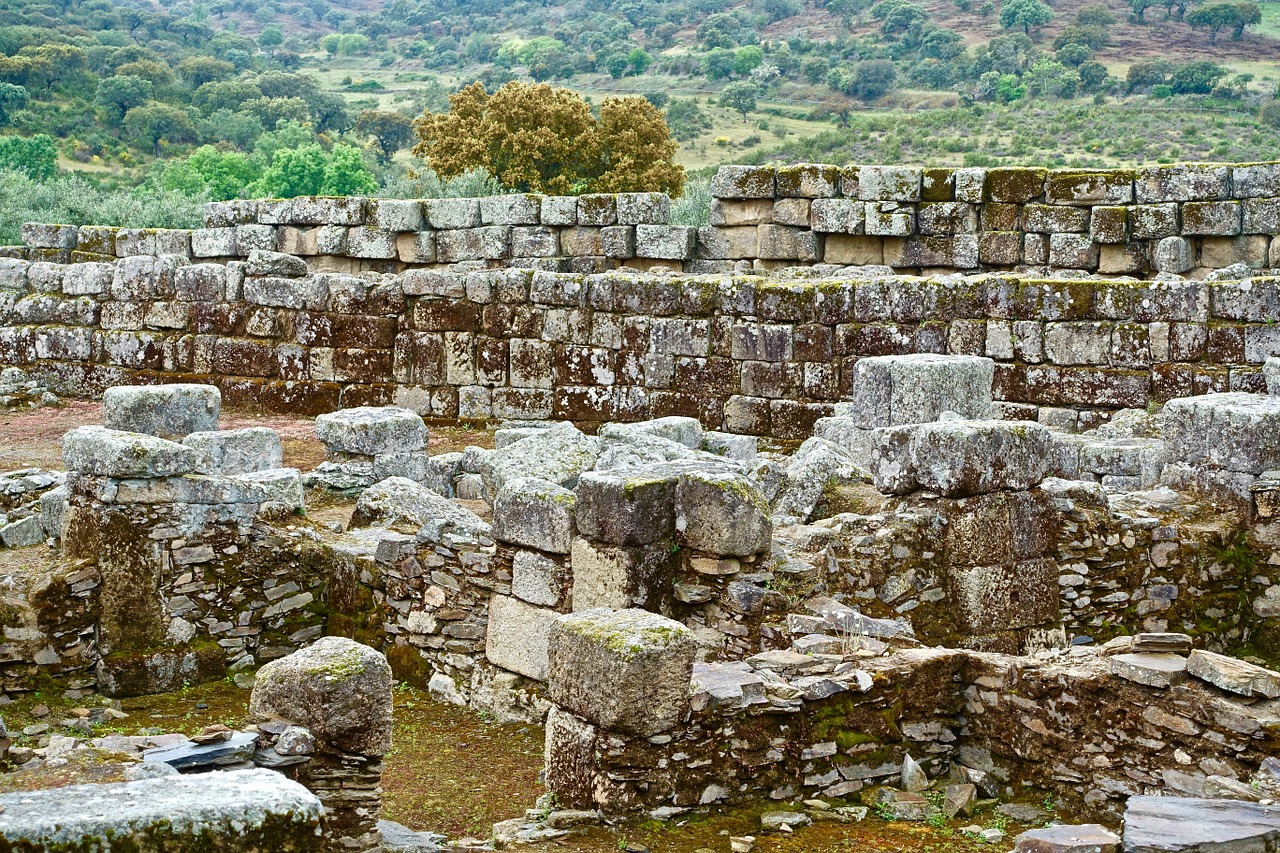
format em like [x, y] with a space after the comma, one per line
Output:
[1234, 675]
[1178, 644]
[627, 670]
[1153, 670]
[168, 411]
[372, 430]
[262, 262]
[411, 507]
[783, 821]
[959, 799]
[337, 688]
[558, 454]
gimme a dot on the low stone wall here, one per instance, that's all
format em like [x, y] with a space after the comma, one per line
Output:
[1171, 219]
[747, 354]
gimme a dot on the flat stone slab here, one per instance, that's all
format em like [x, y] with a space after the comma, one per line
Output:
[1234, 675]
[1086, 838]
[189, 756]
[164, 410]
[1153, 670]
[371, 430]
[114, 453]
[227, 811]
[1192, 825]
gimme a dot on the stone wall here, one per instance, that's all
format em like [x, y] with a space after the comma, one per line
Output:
[1171, 219]
[749, 354]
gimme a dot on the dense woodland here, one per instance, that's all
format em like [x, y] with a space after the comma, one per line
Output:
[165, 106]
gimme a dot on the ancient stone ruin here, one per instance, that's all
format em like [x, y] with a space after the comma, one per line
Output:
[879, 498]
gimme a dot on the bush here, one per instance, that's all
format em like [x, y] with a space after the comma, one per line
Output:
[694, 206]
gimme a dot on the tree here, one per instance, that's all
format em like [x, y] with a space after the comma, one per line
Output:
[118, 95]
[1247, 14]
[639, 60]
[1270, 114]
[293, 172]
[873, 79]
[37, 156]
[1140, 8]
[345, 173]
[719, 63]
[270, 37]
[746, 59]
[1093, 75]
[535, 138]
[1196, 78]
[390, 131]
[155, 123]
[686, 119]
[740, 96]
[1214, 17]
[198, 70]
[898, 15]
[12, 98]
[223, 174]
[1025, 15]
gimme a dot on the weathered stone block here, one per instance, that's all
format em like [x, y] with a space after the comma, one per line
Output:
[536, 514]
[616, 576]
[1233, 431]
[906, 389]
[396, 215]
[732, 213]
[793, 211]
[1054, 219]
[558, 454]
[445, 213]
[958, 458]
[1014, 185]
[743, 182]
[559, 210]
[237, 451]
[889, 183]
[117, 453]
[626, 508]
[163, 410]
[1005, 597]
[1174, 255]
[1158, 824]
[1234, 675]
[889, 219]
[948, 218]
[538, 579]
[372, 430]
[1073, 251]
[1068, 186]
[856, 251]
[597, 209]
[1256, 181]
[780, 242]
[517, 636]
[807, 180]
[1210, 218]
[1153, 221]
[337, 688]
[1189, 182]
[1109, 224]
[723, 514]
[666, 242]
[836, 216]
[1086, 838]
[627, 670]
[643, 208]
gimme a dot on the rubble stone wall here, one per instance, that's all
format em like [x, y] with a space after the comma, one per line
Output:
[1171, 219]
[743, 353]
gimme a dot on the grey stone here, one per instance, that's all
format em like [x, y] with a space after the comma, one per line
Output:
[53, 510]
[619, 576]
[815, 465]
[237, 451]
[909, 389]
[913, 775]
[557, 454]
[190, 756]
[397, 502]
[1153, 670]
[1233, 431]
[783, 821]
[167, 811]
[114, 453]
[337, 688]
[626, 508]
[517, 636]
[686, 431]
[1271, 373]
[275, 263]
[960, 458]
[168, 411]
[665, 242]
[740, 448]
[1085, 838]
[624, 670]
[1233, 675]
[397, 838]
[371, 430]
[739, 182]
[536, 514]
[1193, 825]
[722, 514]
[537, 579]
[296, 740]
[958, 799]
[23, 532]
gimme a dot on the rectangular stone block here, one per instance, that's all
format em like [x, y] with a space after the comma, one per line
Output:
[960, 458]
[396, 215]
[1077, 187]
[737, 182]
[908, 389]
[643, 208]
[237, 451]
[1153, 221]
[666, 242]
[1233, 431]
[452, 213]
[732, 213]
[783, 243]
[597, 209]
[1014, 185]
[1210, 218]
[1054, 219]
[559, 210]
[163, 410]
[627, 671]
[808, 180]
[889, 219]
[372, 430]
[889, 183]
[836, 216]
[1260, 180]
[518, 636]
[948, 218]
[851, 250]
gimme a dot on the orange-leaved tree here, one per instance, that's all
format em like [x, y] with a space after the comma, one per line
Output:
[536, 138]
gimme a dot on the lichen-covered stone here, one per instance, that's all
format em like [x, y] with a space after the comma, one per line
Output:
[398, 502]
[237, 451]
[164, 410]
[626, 670]
[722, 514]
[536, 514]
[337, 688]
[370, 430]
[906, 389]
[517, 636]
[958, 458]
[116, 453]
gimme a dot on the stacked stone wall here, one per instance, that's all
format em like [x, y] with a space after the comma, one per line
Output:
[743, 353]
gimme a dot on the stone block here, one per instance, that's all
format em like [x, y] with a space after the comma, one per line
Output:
[1073, 251]
[733, 213]
[1161, 824]
[597, 209]
[1261, 216]
[1109, 224]
[1000, 248]
[1232, 431]
[1221, 252]
[792, 211]
[889, 183]
[534, 241]
[723, 514]
[850, 250]
[1211, 218]
[784, 243]
[311, 293]
[38, 235]
[1076, 187]
[275, 263]
[836, 216]
[618, 241]
[959, 458]
[452, 213]
[559, 210]
[735, 182]
[517, 636]
[948, 218]
[535, 514]
[538, 579]
[1149, 668]
[417, 247]
[906, 389]
[1153, 221]
[631, 508]
[666, 242]
[643, 208]
[627, 671]
[1256, 181]
[92, 279]
[1014, 185]
[337, 688]
[397, 214]
[1054, 219]
[616, 576]
[1184, 182]
[371, 430]
[237, 451]
[807, 180]
[1234, 675]
[1174, 255]
[116, 453]
[1004, 597]
[372, 243]
[163, 410]
[889, 219]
